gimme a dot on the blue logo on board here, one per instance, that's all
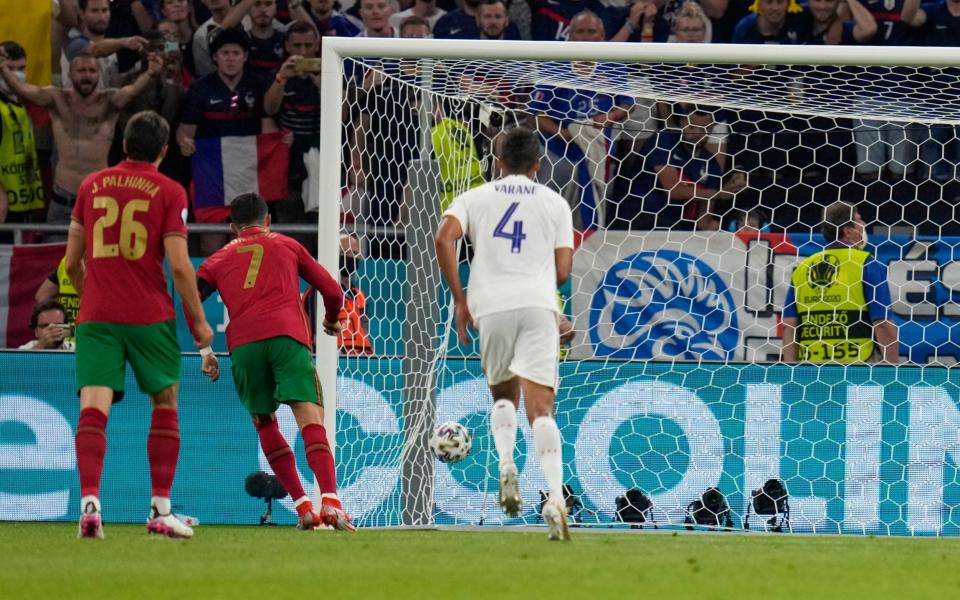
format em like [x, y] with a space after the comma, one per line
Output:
[663, 305]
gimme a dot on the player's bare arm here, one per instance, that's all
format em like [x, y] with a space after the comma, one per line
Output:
[236, 14]
[108, 46]
[669, 178]
[185, 139]
[76, 246]
[48, 290]
[184, 279]
[41, 96]
[885, 332]
[789, 339]
[564, 261]
[126, 94]
[330, 291]
[210, 366]
[273, 99]
[912, 13]
[446, 243]
[550, 127]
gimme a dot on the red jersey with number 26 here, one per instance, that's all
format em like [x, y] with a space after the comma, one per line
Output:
[126, 212]
[258, 276]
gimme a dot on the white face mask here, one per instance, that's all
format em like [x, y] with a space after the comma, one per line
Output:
[862, 244]
[22, 76]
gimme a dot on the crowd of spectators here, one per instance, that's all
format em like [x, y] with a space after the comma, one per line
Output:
[223, 68]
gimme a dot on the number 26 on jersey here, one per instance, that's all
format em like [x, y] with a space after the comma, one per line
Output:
[132, 239]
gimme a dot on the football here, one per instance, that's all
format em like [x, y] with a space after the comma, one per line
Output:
[451, 442]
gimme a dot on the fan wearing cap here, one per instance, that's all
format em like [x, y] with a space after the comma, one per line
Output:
[227, 102]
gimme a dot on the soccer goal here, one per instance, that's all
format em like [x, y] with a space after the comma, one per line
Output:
[697, 176]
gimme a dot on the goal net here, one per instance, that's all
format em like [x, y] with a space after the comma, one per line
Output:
[697, 177]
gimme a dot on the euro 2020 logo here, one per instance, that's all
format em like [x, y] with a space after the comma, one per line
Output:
[661, 305]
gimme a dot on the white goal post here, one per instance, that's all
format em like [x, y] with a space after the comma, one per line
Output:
[419, 349]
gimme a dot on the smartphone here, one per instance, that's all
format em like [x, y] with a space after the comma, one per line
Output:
[171, 48]
[308, 65]
[67, 329]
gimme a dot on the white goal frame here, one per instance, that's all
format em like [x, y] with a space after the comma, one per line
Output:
[336, 50]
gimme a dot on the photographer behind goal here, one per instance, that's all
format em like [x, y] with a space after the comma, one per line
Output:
[49, 324]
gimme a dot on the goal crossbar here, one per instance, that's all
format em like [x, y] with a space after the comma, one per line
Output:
[337, 48]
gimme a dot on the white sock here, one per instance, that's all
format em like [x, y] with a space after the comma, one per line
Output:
[161, 504]
[546, 439]
[503, 425]
[89, 499]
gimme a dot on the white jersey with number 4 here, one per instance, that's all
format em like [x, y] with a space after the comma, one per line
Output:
[515, 224]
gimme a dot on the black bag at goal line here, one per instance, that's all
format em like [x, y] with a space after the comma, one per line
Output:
[711, 509]
[635, 507]
[770, 500]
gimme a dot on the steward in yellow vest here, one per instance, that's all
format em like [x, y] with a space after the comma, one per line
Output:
[837, 308]
[834, 322]
[19, 170]
[456, 153]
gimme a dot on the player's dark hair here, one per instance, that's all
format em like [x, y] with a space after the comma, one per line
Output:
[247, 209]
[520, 150]
[145, 136]
[301, 27]
[42, 307]
[838, 215]
[13, 50]
[83, 5]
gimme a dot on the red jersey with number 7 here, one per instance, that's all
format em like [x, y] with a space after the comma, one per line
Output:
[258, 276]
[126, 212]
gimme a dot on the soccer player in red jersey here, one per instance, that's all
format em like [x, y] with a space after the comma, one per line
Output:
[127, 218]
[269, 336]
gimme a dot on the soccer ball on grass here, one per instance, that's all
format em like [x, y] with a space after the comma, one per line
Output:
[451, 442]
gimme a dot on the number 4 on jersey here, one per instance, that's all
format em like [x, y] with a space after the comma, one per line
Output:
[517, 236]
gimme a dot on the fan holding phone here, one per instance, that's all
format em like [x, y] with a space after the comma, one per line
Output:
[50, 328]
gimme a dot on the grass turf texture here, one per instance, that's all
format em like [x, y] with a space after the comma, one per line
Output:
[41, 561]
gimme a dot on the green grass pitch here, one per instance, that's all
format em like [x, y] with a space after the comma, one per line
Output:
[40, 561]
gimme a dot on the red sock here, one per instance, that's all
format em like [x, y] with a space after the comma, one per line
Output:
[281, 458]
[91, 443]
[163, 448]
[320, 458]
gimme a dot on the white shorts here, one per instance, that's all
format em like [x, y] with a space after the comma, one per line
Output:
[524, 342]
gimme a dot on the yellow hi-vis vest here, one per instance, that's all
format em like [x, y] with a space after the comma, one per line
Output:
[456, 153]
[67, 294]
[19, 169]
[833, 318]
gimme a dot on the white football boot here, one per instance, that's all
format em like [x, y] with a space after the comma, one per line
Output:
[168, 525]
[555, 516]
[510, 500]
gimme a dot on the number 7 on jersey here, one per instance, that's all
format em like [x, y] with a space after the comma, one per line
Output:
[517, 236]
[256, 258]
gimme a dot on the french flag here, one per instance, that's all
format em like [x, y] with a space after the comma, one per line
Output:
[22, 270]
[224, 168]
